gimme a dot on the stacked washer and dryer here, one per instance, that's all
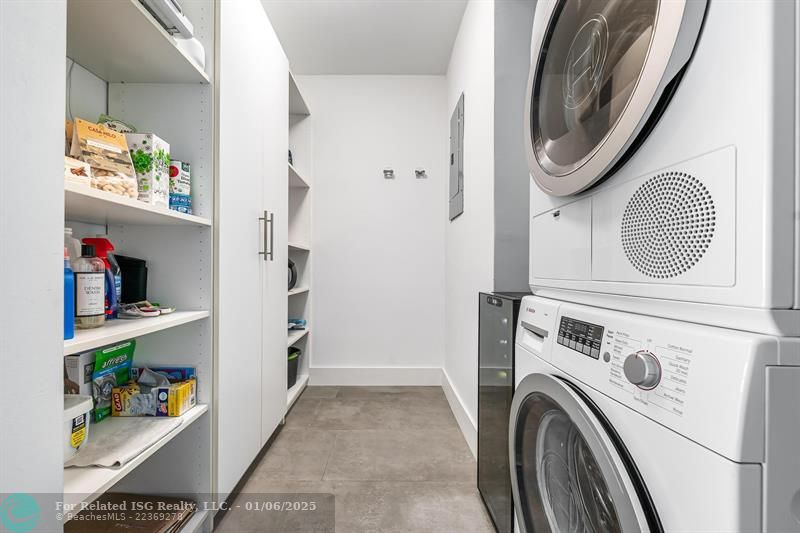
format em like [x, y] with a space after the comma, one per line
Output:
[658, 361]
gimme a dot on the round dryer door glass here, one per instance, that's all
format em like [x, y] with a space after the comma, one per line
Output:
[590, 64]
[600, 69]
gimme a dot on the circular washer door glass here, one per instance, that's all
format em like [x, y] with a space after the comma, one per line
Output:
[590, 62]
[559, 477]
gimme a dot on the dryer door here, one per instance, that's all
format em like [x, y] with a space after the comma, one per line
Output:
[568, 473]
[601, 73]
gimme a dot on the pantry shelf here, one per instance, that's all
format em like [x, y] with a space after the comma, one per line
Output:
[296, 179]
[299, 247]
[297, 104]
[298, 290]
[84, 204]
[87, 484]
[120, 41]
[122, 329]
[295, 391]
[295, 335]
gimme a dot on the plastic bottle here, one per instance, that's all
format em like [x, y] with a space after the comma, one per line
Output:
[90, 289]
[73, 245]
[103, 248]
[69, 298]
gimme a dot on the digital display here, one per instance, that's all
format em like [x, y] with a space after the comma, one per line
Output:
[581, 337]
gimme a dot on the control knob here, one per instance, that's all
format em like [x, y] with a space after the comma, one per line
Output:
[643, 370]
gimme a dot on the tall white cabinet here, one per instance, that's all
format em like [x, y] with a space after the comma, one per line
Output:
[252, 103]
[224, 267]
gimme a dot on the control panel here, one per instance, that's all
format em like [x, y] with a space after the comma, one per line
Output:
[703, 382]
[582, 337]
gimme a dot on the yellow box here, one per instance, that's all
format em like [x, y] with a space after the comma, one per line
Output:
[175, 400]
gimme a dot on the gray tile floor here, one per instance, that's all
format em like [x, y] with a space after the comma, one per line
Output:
[392, 458]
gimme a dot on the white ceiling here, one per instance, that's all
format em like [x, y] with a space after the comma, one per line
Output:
[367, 36]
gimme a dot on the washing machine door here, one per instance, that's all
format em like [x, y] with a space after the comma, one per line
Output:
[568, 473]
[602, 72]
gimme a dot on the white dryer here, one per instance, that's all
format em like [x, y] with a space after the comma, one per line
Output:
[663, 147]
[624, 423]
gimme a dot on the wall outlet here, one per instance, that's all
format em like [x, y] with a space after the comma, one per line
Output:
[388, 173]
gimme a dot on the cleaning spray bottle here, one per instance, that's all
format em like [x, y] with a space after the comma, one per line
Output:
[103, 247]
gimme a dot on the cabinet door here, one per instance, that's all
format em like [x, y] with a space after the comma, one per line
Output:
[276, 198]
[241, 108]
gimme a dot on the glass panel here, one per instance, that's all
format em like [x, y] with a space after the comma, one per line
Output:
[589, 65]
[561, 485]
[496, 391]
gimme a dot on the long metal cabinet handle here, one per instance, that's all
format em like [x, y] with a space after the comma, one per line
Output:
[263, 220]
[271, 222]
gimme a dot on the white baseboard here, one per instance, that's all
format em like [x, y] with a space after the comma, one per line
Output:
[468, 426]
[378, 376]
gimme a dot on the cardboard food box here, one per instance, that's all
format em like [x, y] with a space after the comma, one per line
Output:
[150, 155]
[180, 178]
[174, 400]
[101, 148]
[78, 371]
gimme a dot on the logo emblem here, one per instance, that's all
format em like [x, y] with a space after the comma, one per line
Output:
[583, 69]
[19, 513]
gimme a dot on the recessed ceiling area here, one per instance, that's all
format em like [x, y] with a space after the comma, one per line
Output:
[367, 36]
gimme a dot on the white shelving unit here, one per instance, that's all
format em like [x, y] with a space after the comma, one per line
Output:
[92, 206]
[300, 238]
[296, 180]
[295, 335]
[294, 392]
[120, 41]
[121, 330]
[88, 483]
[147, 80]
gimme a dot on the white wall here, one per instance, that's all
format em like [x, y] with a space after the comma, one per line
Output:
[378, 245]
[470, 241]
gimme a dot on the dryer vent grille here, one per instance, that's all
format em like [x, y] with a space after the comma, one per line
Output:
[668, 225]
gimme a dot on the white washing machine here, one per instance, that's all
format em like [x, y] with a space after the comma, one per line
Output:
[664, 152]
[624, 423]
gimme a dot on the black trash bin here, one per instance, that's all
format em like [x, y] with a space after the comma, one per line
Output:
[294, 361]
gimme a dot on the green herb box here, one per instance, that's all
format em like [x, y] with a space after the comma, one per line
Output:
[150, 155]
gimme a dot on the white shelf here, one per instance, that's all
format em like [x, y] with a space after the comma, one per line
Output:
[84, 204]
[197, 522]
[298, 290]
[297, 104]
[295, 391]
[87, 484]
[122, 329]
[296, 180]
[295, 335]
[300, 247]
[119, 41]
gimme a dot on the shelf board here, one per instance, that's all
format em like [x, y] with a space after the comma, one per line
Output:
[300, 247]
[123, 329]
[294, 392]
[84, 204]
[295, 335]
[87, 484]
[298, 290]
[120, 41]
[297, 104]
[296, 180]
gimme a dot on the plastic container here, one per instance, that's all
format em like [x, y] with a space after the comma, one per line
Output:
[90, 289]
[72, 244]
[294, 362]
[69, 298]
[103, 248]
[134, 279]
[76, 423]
